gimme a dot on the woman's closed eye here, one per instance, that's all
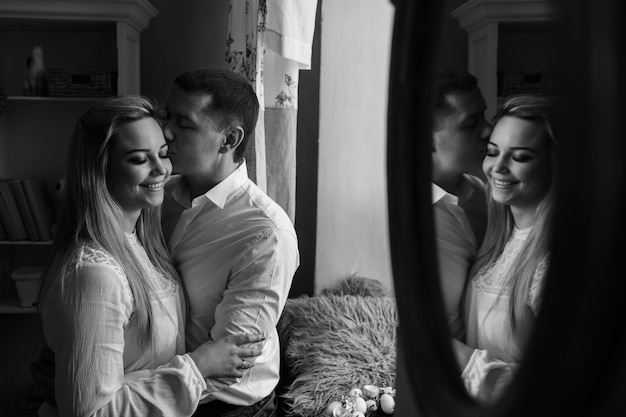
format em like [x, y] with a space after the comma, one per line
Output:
[138, 160]
[522, 157]
[491, 152]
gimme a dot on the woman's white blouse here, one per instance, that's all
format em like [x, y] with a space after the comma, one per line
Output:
[488, 318]
[100, 370]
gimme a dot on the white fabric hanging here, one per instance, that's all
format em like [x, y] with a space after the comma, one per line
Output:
[269, 42]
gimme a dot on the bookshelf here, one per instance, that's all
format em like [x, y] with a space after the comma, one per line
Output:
[93, 36]
[508, 37]
[35, 131]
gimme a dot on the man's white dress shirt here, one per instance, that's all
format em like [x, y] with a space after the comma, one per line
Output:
[237, 252]
[457, 244]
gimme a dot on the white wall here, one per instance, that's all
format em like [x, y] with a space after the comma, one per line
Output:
[352, 228]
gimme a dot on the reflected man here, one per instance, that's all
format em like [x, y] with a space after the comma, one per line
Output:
[459, 144]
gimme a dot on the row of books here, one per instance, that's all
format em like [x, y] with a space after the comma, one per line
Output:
[26, 210]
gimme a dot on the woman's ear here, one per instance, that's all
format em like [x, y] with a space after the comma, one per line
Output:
[233, 138]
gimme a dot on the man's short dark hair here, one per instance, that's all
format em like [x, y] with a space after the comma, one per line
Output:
[233, 99]
[450, 82]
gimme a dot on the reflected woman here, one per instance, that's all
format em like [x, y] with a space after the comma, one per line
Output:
[504, 290]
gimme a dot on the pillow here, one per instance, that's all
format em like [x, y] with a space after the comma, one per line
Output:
[357, 286]
[333, 343]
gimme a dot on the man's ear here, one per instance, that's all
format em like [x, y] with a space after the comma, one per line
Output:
[233, 138]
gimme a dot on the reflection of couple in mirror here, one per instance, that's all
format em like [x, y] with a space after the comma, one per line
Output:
[492, 202]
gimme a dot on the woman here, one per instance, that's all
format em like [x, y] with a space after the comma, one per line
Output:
[504, 291]
[111, 302]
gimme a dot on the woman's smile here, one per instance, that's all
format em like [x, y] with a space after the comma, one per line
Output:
[153, 186]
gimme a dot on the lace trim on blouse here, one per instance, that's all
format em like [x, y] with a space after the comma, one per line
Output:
[493, 279]
[91, 255]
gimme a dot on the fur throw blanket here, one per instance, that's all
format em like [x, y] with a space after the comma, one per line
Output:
[333, 343]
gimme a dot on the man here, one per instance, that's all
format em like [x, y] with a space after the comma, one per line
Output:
[459, 143]
[234, 247]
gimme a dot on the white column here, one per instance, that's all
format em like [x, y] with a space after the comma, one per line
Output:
[128, 59]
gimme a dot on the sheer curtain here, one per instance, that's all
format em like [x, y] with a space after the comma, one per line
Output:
[269, 42]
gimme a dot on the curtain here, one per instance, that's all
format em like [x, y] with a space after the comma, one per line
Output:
[269, 42]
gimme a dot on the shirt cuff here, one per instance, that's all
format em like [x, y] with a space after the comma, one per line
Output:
[195, 371]
[478, 369]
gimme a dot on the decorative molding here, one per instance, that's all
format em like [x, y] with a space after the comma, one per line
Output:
[136, 13]
[475, 13]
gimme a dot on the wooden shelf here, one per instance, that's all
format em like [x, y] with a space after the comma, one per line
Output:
[26, 242]
[13, 306]
[52, 99]
[129, 17]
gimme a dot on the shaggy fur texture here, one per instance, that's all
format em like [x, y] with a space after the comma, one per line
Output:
[365, 287]
[333, 343]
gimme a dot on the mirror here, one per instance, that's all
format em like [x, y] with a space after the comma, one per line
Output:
[564, 370]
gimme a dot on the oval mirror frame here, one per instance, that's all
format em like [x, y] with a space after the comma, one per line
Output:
[575, 363]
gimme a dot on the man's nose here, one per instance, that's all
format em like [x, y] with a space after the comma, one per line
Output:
[486, 130]
[167, 132]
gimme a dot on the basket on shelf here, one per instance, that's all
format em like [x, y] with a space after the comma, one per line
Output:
[541, 81]
[80, 82]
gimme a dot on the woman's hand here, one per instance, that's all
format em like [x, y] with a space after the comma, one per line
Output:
[226, 357]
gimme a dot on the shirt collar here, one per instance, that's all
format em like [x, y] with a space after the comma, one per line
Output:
[437, 192]
[467, 191]
[219, 194]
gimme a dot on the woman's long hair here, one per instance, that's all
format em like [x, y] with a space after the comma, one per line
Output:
[500, 224]
[89, 215]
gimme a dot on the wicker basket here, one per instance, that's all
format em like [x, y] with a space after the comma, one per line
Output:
[544, 81]
[79, 82]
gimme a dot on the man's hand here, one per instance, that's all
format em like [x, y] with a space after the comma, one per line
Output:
[229, 356]
[42, 372]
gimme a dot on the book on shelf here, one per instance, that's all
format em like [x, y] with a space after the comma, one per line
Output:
[25, 211]
[11, 218]
[40, 203]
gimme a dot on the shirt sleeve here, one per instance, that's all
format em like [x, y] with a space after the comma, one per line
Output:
[89, 356]
[455, 251]
[258, 286]
[485, 377]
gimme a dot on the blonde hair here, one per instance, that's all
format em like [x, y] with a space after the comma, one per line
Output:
[500, 223]
[90, 215]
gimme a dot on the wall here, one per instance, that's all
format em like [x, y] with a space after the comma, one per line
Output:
[453, 43]
[181, 39]
[352, 230]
